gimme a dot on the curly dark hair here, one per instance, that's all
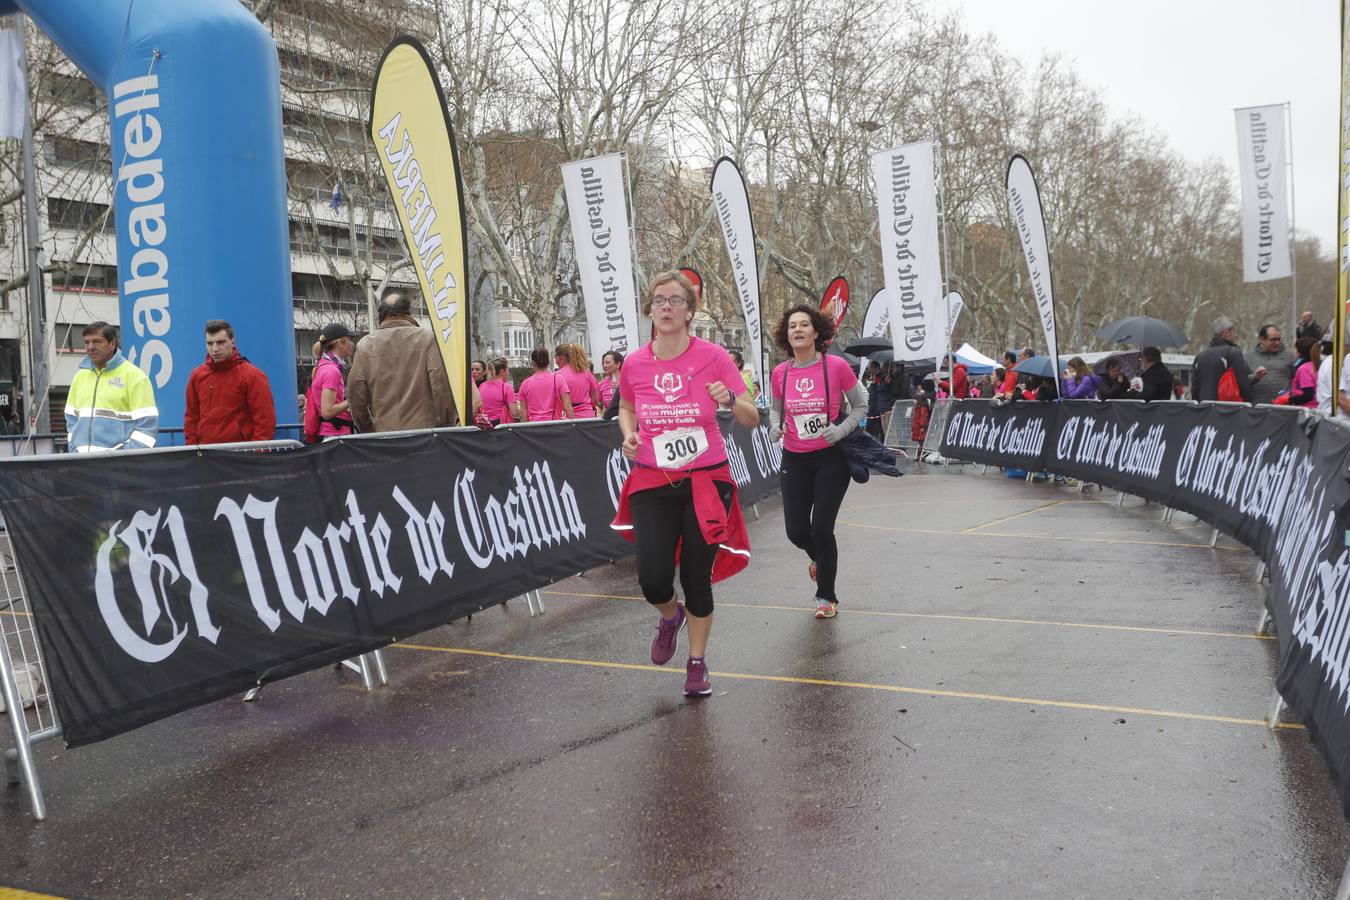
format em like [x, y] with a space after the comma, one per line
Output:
[823, 325]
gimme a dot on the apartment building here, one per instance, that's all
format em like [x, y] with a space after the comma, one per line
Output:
[344, 238]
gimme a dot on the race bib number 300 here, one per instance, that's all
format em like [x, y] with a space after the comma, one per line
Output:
[677, 449]
[811, 425]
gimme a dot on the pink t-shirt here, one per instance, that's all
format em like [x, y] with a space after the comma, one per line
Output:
[328, 374]
[677, 419]
[804, 412]
[1306, 377]
[541, 396]
[607, 386]
[497, 399]
[579, 386]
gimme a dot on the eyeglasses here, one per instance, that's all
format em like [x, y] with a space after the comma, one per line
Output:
[658, 300]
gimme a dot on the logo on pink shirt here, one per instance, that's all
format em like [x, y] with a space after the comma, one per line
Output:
[805, 386]
[670, 385]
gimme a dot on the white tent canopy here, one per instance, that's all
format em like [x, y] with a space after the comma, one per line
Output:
[974, 359]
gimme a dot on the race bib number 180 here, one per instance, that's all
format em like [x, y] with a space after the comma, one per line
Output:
[677, 449]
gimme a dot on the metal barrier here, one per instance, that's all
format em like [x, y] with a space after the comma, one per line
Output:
[173, 437]
[900, 436]
[49, 443]
[24, 684]
[31, 444]
[900, 429]
[23, 680]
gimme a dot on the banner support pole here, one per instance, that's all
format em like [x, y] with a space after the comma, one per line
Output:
[946, 268]
[1338, 319]
[638, 275]
[1293, 247]
[19, 724]
[1276, 706]
[38, 413]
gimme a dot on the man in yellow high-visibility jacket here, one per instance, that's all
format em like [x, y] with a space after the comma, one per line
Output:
[111, 404]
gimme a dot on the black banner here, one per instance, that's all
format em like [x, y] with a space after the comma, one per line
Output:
[163, 581]
[1012, 435]
[1275, 480]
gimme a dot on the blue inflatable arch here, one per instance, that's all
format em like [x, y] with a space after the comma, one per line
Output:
[194, 101]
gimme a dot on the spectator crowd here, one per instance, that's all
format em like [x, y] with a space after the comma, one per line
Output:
[395, 380]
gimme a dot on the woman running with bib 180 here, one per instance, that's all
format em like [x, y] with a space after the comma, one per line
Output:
[810, 388]
[679, 503]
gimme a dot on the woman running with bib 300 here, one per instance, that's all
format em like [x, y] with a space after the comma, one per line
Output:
[679, 503]
[808, 391]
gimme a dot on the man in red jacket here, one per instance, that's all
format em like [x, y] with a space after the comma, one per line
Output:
[960, 377]
[228, 398]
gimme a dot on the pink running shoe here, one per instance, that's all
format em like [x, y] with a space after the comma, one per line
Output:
[696, 683]
[667, 636]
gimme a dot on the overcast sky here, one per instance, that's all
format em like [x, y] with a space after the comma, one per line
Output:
[1185, 65]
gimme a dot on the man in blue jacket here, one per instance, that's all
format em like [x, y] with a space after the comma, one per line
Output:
[111, 404]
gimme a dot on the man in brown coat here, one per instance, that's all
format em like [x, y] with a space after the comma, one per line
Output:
[398, 380]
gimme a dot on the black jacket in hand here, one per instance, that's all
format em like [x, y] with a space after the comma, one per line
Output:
[1113, 390]
[1157, 384]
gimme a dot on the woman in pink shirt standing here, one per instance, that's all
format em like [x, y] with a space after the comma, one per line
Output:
[326, 408]
[679, 502]
[1303, 387]
[575, 367]
[499, 397]
[610, 365]
[544, 395]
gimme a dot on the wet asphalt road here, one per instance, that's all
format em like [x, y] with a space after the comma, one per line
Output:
[1027, 693]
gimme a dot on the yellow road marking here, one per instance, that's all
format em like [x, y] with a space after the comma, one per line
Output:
[858, 685]
[896, 503]
[9, 893]
[1149, 530]
[852, 611]
[907, 503]
[1038, 537]
[1044, 506]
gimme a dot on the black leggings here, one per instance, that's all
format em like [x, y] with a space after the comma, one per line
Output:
[663, 516]
[813, 486]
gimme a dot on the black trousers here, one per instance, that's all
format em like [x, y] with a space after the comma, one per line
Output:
[663, 518]
[813, 486]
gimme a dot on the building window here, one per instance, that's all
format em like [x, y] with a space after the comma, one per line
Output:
[78, 215]
[92, 277]
[73, 89]
[77, 154]
[68, 337]
[304, 345]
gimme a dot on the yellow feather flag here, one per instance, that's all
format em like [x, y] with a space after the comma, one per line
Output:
[415, 142]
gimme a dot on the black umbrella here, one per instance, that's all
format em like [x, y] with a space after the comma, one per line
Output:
[880, 357]
[869, 347]
[1142, 331]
